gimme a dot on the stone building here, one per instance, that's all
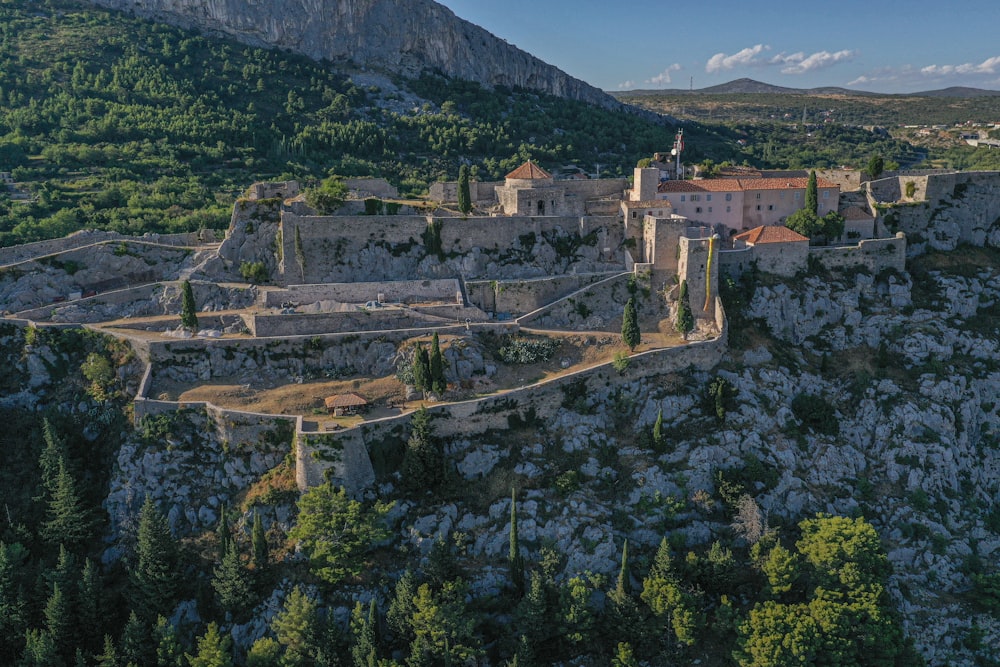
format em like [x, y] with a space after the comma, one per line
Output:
[530, 190]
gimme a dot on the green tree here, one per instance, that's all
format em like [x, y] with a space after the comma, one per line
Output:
[97, 369]
[443, 625]
[685, 318]
[672, 606]
[464, 194]
[779, 635]
[52, 456]
[296, 628]
[876, 165]
[136, 642]
[90, 607]
[630, 325]
[659, 440]
[435, 367]
[328, 196]
[233, 584]
[265, 652]
[423, 466]
[624, 656]
[812, 194]
[189, 311]
[399, 617]
[336, 532]
[843, 553]
[40, 650]
[59, 624]
[781, 568]
[805, 222]
[213, 649]
[168, 646]
[69, 520]
[222, 532]
[364, 626]
[515, 561]
[300, 253]
[155, 578]
[421, 369]
[108, 657]
[258, 542]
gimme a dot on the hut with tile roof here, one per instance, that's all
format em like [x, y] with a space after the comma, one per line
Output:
[783, 251]
[529, 190]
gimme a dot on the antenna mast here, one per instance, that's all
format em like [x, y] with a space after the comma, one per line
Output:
[678, 149]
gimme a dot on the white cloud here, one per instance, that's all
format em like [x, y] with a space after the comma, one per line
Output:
[747, 56]
[799, 63]
[988, 66]
[663, 77]
[626, 85]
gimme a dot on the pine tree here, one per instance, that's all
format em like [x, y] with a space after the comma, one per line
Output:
[258, 542]
[624, 657]
[464, 194]
[69, 520]
[12, 607]
[213, 650]
[52, 455]
[189, 311]
[265, 652]
[155, 577]
[423, 462]
[875, 167]
[168, 646]
[295, 627]
[109, 656]
[135, 645]
[436, 367]
[630, 325]
[89, 607]
[400, 614]
[812, 194]
[670, 604]
[514, 559]
[364, 651]
[232, 583]
[59, 623]
[40, 650]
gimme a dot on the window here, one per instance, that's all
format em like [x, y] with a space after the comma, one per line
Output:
[729, 197]
[729, 209]
[781, 195]
[770, 207]
[758, 207]
[797, 196]
[634, 215]
[695, 197]
[826, 194]
[709, 209]
[708, 197]
[682, 197]
[758, 195]
[697, 209]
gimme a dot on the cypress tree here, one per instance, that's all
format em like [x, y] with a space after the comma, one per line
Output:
[436, 367]
[622, 586]
[300, 254]
[155, 579]
[222, 533]
[421, 369]
[685, 318]
[258, 542]
[464, 194]
[812, 194]
[630, 325]
[189, 311]
[514, 559]
[658, 439]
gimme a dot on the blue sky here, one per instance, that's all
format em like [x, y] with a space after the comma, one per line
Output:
[880, 45]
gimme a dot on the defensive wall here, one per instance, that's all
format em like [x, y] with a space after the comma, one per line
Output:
[320, 456]
[347, 248]
[790, 259]
[876, 255]
[28, 251]
[396, 291]
[381, 319]
[524, 296]
[588, 308]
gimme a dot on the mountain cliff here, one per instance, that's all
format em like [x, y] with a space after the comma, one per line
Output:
[405, 38]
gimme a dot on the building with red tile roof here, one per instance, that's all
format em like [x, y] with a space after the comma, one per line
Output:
[770, 234]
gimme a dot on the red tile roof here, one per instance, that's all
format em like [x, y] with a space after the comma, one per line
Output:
[770, 234]
[741, 184]
[529, 171]
[856, 213]
[782, 183]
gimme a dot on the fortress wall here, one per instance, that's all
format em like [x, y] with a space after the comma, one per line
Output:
[381, 319]
[403, 291]
[27, 251]
[734, 262]
[782, 259]
[588, 309]
[847, 179]
[875, 254]
[919, 181]
[319, 453]
[885, 189]
[524, 296]
[485, 191]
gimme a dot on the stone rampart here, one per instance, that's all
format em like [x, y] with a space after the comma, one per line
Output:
[524, 296]
[28, 251]
[485, 191]
[590, 308]
[397, 291]
[499, 412]
[847, 179]
[479, 191]
[371, 187]
[875, 254]
[379, 319]
[734, 262]
[273, 190]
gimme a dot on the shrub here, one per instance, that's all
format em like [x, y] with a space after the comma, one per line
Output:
[911, 189]
[816, 413]
[528, 350]
[254, 272]
[621, 362]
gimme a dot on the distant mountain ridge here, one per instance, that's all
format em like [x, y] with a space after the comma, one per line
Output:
[401, 37]
[752, 87]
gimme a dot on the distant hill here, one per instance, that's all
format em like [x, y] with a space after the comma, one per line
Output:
[752, 87]
[401, 37]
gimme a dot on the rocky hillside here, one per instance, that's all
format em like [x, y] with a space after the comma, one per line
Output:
[405, 38]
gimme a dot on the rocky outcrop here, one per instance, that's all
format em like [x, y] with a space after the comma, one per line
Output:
[405, 38]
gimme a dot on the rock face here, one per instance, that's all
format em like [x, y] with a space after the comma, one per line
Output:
[405, 38]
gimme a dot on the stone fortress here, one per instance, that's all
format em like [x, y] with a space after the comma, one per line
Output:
[347, 294]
